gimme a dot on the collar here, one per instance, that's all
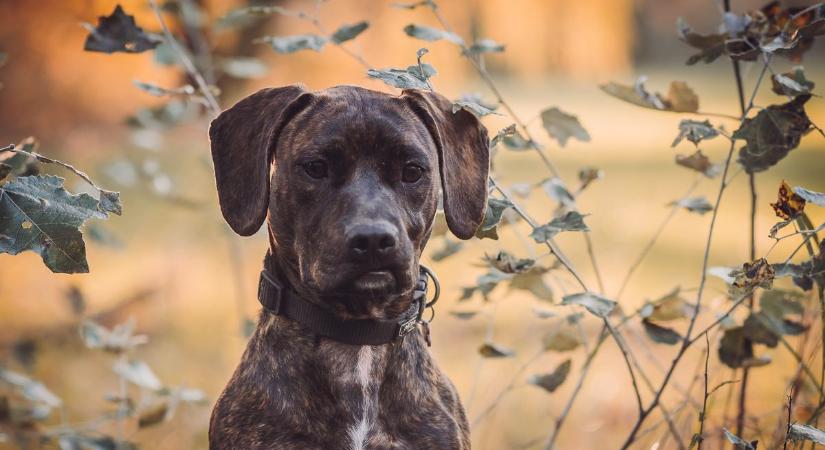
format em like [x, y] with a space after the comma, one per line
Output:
[283, 301]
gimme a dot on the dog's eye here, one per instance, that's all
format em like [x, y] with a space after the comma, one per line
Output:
[411, 173]
[316, 169]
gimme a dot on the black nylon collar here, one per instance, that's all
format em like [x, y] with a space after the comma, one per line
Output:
[283, 301]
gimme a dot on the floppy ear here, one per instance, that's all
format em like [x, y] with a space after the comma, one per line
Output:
[243, 139]
[463, 155]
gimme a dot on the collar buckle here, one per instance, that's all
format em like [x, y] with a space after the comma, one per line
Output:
[270, 292]
[407, 326]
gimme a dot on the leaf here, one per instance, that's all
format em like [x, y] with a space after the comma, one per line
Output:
[504, 132]
[680, 98]
[555, 189]
[486, 46]
[431, 34]
[562, 126]
[542, 313]
[756, 331]
[695, 131]
[5, 170]
[492, 217]
[450, 248]
[473, 107]
[752, 275]
[817, 198]
[118, 32]
[291, 44]
[490, 350]
[516, 142]
[399, 78]
[669, 307]
[596, 304]
[31, 389]
[699, 205]
[507, 263]
[738, 443]
[660, 334]
[735, 348]
[792, 83]
[154, 415]
[588, 175]
[562, 339]
[772, 134]
[700, 163]
[712, 46]
[243, 67]
[789, 205]
[137, 372]
[118, 340]
[571, 221]
[412, 5]
[532, 280]
[348, 32]
[550, 382]
[38, 214]
[802, 432]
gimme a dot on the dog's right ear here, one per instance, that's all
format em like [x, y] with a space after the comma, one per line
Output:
[243, 141]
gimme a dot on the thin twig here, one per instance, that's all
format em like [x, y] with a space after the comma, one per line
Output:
[46, 159]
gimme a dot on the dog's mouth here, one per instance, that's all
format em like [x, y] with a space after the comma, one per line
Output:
[382, 280]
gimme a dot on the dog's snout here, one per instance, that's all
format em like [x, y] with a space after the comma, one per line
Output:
[371, 240]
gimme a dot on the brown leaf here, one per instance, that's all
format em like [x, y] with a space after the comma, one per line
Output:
[752, 275]
[772, 134]
[789, 205]
[700, 163]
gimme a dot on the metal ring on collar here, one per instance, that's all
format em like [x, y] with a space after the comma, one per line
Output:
[436, 284]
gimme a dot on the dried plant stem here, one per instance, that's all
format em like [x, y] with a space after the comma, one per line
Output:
[46, 159]
[688, 335]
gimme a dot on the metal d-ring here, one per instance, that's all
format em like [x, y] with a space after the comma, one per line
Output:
[437, 285]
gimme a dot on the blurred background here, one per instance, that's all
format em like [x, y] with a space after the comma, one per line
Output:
[168, 261]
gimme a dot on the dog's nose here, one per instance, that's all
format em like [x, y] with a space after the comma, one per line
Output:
[370, 240]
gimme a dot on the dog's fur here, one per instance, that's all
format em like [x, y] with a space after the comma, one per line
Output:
[294, 390]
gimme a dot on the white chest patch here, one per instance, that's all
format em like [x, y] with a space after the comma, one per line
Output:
[359, 432]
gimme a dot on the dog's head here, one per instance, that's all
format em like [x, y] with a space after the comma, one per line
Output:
[349, 181]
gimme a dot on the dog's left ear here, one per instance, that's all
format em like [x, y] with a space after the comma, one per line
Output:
[243, 140]
[464, 159]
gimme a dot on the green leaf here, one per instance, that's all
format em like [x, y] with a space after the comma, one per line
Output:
[758, 332]
[680, 97]
[492, 217]
[562, 126]
[38, 214]
[463, 315]
[699, 205]
[516, 142]
[137, 372]
[411, 5]
[772, 134]
[399, 78]
[817, 198]
[475, 108]
[555, 189]
[571, 221]
[118, 32]
[596, 304]
[491, 350]
[348, 32]
[738, 442]
[119, 339]
[562, 339]
[802, 432]
[431, 34]
[291, 44]
[660, 334]
[550, 382]
[695, 131]
[486, 46]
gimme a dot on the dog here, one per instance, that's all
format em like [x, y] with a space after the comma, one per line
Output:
[348, 181]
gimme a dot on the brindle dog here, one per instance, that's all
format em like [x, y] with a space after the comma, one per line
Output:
[348, 180]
